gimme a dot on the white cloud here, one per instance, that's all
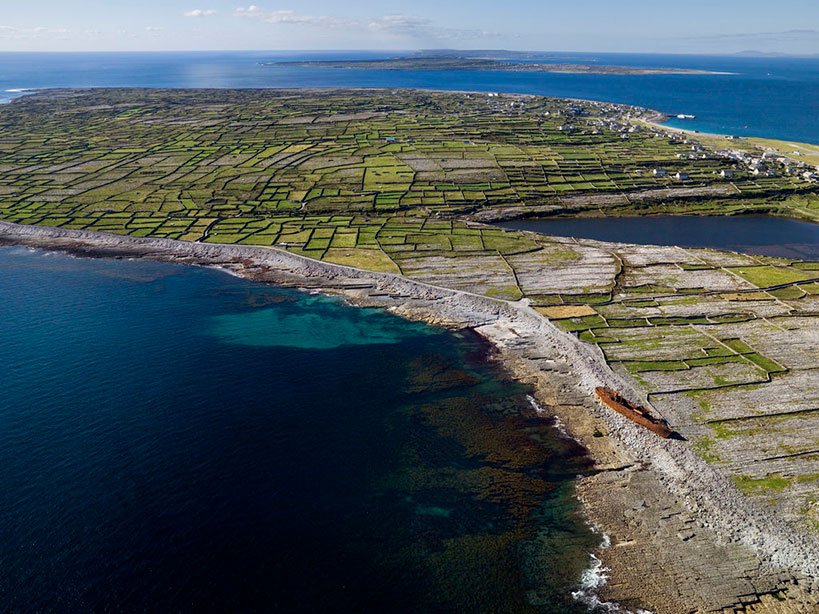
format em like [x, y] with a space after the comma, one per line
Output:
[291, 17]
[392, 26]
[400, 24]
[408, 26]
[153, 29]
[38, 32]
[200, 13]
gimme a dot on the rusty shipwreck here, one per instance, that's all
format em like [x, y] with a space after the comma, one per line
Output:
[636, 413]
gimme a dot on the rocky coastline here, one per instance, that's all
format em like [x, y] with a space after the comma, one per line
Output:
[683, 538]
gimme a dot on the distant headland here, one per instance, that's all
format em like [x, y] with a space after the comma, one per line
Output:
[446, 62]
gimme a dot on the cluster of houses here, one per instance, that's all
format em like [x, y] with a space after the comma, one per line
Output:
[612, 118]
[620, 120]
[771, 164]
[661, 172]
[767, 164]
[505, 104]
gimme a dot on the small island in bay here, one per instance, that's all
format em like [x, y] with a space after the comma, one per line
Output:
[454, 63]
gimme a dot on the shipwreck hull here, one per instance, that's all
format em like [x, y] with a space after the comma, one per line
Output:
[636, 413]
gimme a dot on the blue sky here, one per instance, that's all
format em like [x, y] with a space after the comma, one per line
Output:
[691, 26]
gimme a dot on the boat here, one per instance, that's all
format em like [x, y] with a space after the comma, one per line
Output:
[686, 116]
[636, 413]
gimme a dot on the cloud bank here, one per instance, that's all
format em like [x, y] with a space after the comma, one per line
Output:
[392, 26]
[200, 13]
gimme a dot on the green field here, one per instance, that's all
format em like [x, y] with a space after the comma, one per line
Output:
[315, 172]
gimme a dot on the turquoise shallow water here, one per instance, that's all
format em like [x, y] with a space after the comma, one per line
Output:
[176, 439]
[285, 324]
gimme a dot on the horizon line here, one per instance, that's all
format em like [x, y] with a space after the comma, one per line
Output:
[744, 53]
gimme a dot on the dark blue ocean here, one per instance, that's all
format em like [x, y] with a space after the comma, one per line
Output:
[174, 439]
[766, 97]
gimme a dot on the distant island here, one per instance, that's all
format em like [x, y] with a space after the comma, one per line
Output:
[476, 64]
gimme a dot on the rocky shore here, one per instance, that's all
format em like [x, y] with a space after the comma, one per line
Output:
[683, 538]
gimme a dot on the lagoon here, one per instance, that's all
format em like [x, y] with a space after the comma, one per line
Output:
[750, 234]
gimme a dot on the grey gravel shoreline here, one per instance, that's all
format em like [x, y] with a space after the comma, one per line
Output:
[534, 347]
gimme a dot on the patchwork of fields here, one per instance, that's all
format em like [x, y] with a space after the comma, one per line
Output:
[725, 344]
[326, 169]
